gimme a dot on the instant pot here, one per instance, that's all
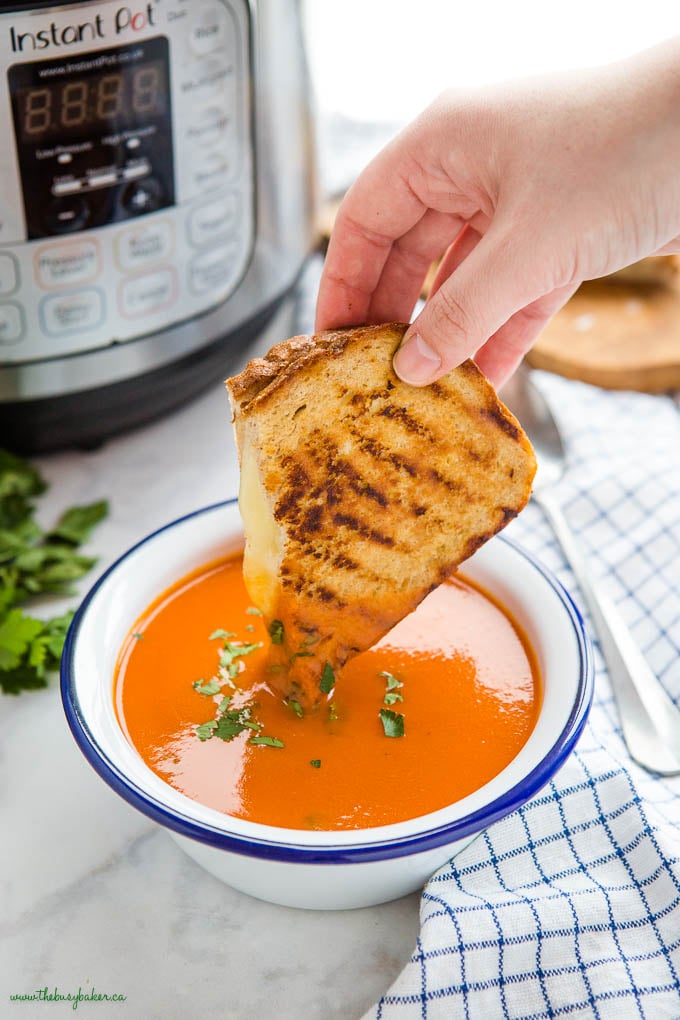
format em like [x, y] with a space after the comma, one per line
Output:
[156, 204]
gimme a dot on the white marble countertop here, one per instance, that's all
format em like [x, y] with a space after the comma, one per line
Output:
[92, 893]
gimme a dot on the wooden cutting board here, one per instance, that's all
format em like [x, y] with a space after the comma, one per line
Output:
[615, 336]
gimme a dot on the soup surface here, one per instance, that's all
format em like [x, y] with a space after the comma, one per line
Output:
[457, 677]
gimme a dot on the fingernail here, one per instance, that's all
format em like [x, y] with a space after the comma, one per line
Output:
[415, 362]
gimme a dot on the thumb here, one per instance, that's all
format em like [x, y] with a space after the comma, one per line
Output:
[486, 289]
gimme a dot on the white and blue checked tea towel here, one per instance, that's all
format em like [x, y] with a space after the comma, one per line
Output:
[571, 906]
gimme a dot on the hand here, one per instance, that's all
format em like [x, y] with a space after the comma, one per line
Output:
[526, 190]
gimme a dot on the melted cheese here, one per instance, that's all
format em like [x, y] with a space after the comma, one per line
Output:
[263, 548]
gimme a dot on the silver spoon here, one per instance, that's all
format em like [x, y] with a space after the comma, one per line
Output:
[649, 719]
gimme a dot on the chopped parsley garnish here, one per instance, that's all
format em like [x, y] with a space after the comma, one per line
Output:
[276, 632]
[223, 635]
[267, 741]
[297, 707]
[253, 611]
[230, 722]
[391, 680]
[232, 651]
[392, 722]
[34, 563]
[327, 681]
[235, 721]
[315, 763]
[205, 730]
[392, 695]
[207, 687]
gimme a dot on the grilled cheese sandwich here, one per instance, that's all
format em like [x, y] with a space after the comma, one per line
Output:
[359, 493]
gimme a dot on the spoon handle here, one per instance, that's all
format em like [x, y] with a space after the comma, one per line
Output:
[649, 719]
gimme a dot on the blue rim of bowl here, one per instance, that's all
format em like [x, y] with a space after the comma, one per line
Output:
[358, 853]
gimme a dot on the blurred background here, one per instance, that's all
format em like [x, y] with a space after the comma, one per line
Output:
[377, 63]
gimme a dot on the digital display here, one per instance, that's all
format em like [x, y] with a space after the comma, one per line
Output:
[91, 102]
[94, 136]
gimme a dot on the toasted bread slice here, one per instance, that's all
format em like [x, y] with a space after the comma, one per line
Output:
[360, 493]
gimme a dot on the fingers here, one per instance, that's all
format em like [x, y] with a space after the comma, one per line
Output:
[407, 265]
[467, 239]
[354, 263]
[377, 210]
[501, 354]
[497, 279]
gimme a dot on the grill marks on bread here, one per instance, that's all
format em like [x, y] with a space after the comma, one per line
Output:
[379, 489]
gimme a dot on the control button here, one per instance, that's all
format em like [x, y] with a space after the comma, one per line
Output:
[11, 324]
[67, 213]
[143, 196]
[9, 274]
[66, 187]
[209, 29]
[102, 180]
[63, 265]
[206, 78]
[72, 313]
[141, 295]
[213, 269]
[141, 245]
[139, 169]
[209, 127]
[212, 169]
[213, 221]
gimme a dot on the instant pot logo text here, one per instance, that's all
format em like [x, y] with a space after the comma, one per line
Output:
[124, 21]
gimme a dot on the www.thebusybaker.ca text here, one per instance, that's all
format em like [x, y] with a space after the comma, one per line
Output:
[45, 995]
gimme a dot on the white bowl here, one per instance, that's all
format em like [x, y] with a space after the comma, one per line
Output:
[300, 868]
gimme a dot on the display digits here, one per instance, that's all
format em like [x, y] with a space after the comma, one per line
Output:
[74, 104]
[145, 89]
[91, 100]
[109, 96]
[37, 111]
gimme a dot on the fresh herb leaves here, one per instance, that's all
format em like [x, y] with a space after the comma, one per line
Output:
[74, 526]
[327, 681]
[392, 695]
[34, 563]
[231, 720]
[392, 722]
[206, 687]
[267, 741]
[276, 632]
[205, 730]
[296, 707]
[315, 763]
[230, 655]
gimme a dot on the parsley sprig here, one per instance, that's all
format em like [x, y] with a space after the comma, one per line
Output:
[231, 720]
[392, 722]
[35, 563]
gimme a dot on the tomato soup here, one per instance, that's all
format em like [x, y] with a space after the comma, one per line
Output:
[425, 717]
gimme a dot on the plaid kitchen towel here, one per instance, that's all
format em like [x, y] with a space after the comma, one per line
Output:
[571, 905]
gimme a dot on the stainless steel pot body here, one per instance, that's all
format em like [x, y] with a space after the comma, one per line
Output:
[156, 203]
